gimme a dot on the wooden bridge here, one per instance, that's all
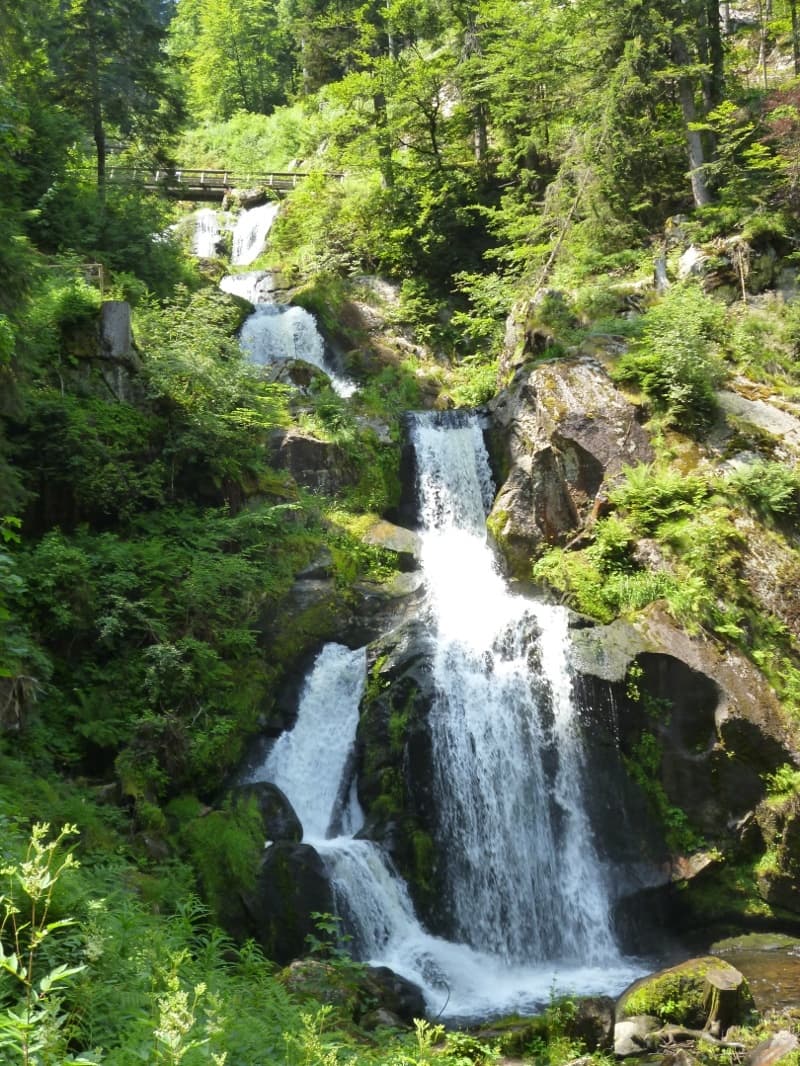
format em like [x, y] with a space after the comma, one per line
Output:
[204, 185]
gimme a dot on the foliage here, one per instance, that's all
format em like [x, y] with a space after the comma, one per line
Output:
[676, 361]
[644, 765]
[34, 1024]
[771, 488]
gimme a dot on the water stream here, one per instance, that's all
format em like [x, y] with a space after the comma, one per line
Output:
[523, 884]
[273, 332]
[251, 231]
[207, 232]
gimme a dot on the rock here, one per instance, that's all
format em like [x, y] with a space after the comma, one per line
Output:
[778, 1046]
[560, 431]
[119, 363]
[693, 263]
[317, 465]
[396, 994]
[116, 336]
[714, 701]
[763, 417]
[694, 994]
[290, 885]
[371, 995]
[395, 769]
[323, 982]
[592, 1023]
[779, 882]
[771, 569]
[680, 1058]
[404, 542]
[277, 814]
[630, 1035]
[381, 1018]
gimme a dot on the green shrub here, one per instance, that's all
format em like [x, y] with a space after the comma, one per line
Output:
[676, 361]
[771, 488]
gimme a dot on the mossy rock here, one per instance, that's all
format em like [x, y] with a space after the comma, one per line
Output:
[679, 994]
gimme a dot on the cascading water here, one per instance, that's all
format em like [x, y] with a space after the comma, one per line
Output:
[275, 332]
[523, 878]
[257, 286]
[251, 231]
[524, 885]
[205, 243]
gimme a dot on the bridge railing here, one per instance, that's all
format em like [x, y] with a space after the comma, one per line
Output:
[179, 177]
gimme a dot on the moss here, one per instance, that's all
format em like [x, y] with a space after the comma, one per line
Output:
[226, 846]
[424, 856]
[674, 995]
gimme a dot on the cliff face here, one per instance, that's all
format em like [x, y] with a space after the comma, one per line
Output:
[683, 721]
[560, 430]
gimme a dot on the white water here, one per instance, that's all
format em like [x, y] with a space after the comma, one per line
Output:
[308, 762]
[523, 879]
[251, 231]
[256, 286]
[206, 233]
[524, 886]
[274, 332]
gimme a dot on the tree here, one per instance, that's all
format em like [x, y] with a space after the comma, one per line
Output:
[236, 55]
[108, 57]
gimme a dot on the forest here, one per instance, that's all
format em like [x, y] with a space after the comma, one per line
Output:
[582, 221]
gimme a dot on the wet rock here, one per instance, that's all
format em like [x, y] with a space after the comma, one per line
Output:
[396, 994]
[277, 814]
[395, 769]
[630, 1035]
[559, 432]
[290, 885]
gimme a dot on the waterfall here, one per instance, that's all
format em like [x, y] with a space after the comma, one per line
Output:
[523, 883]
[308, 762]
[251, 231]
[523, 879]
[274, 332]
[206, 233]
[256, 286]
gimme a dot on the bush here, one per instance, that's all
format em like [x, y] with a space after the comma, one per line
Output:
[772, 489]
[676, 361]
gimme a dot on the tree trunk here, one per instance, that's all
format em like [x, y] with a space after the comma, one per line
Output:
[795, 37]
[715, 53]
[694, 140]
[384, 142]
[99, 133]
[481, 139]
[726, 999]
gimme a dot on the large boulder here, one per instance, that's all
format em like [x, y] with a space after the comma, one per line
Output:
[395, 768]
[683, 733]
[290, 886]
[559, 432]
[278, 819]
[697, 993]
[369, 995]
[318, 465]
